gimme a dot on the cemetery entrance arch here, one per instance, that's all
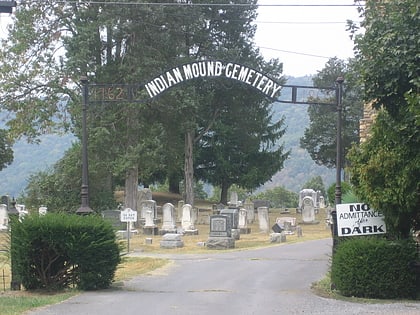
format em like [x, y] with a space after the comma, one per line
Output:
[100, 93]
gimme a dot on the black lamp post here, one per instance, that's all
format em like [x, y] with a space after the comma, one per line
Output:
[339, 93]
[84, 208]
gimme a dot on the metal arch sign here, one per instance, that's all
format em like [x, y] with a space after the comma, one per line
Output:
[208, 68]
[205, 69]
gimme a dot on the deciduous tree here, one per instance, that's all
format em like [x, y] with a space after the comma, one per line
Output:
[386, 168]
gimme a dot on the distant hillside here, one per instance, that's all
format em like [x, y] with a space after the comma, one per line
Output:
[30, 159]
[299, 168]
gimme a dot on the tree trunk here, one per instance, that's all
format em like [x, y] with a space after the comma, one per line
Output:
[131, 188]
[224, 193]
[173, 179]
[189, 168]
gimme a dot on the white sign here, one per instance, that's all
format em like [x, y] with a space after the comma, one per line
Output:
[359, 219]
[128, 215]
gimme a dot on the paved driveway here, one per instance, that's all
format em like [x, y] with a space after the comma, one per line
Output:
[274, 280]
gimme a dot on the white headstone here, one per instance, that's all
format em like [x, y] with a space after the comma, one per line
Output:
[308, 210]
[321, 202]
[263, 219]
[42, 210]
[243, 222]
[288, 224]
[168, 213]
[4, 217]
[149, 219]
[187, 218]
[179, 210]
[147, 205]
[249, 207]
[233, 202]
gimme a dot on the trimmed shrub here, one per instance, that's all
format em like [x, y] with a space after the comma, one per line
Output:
[372, 267]
[56, 251]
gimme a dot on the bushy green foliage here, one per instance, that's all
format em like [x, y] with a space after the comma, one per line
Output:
[374, 268]
[280, 197]
[385, 169]
[56, 251]
[345, 189]
[58, 188]
[316, 183]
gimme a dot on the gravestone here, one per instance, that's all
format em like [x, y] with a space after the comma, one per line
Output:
[171, 240]
[113, 216]
[233, 201]
[42, 210]
[145, 206]
[150, 227]
[22, 211]
[168, 219]
[243, 222]
[234, 219]
[308, 210]
[4, 218]
[220, 236]
[263, 219]
[249, 207]
[261, 203]
[179, 210]
[287, 223]
[144, 194]
[187, 222]
[278, 237]
[322, 202]
[217, 207]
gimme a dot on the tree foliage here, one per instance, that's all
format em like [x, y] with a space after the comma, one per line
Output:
[6, 151]
[51, 45]
[242, 150]
[386, 168]
[317, 184]
[385, 172]
[279, 197]
[320, 138]
[388, 59]
[58, 188]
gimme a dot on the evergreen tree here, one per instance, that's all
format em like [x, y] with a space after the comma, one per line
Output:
[51, 45]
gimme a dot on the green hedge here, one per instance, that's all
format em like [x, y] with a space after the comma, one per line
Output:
[372, 267]
[56, 251]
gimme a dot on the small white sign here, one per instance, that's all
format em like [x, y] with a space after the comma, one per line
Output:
[359, 219]
[128, 215]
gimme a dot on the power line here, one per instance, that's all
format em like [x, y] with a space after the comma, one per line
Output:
[295, 52]
[181, 4]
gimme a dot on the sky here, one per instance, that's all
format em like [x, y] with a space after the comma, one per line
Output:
[302, 37]
[292, 34]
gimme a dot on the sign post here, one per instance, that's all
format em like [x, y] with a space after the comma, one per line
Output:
[128, 215]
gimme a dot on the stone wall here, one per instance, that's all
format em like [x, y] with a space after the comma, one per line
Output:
[369, 115]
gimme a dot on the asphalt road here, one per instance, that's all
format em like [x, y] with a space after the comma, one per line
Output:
[273, 280]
